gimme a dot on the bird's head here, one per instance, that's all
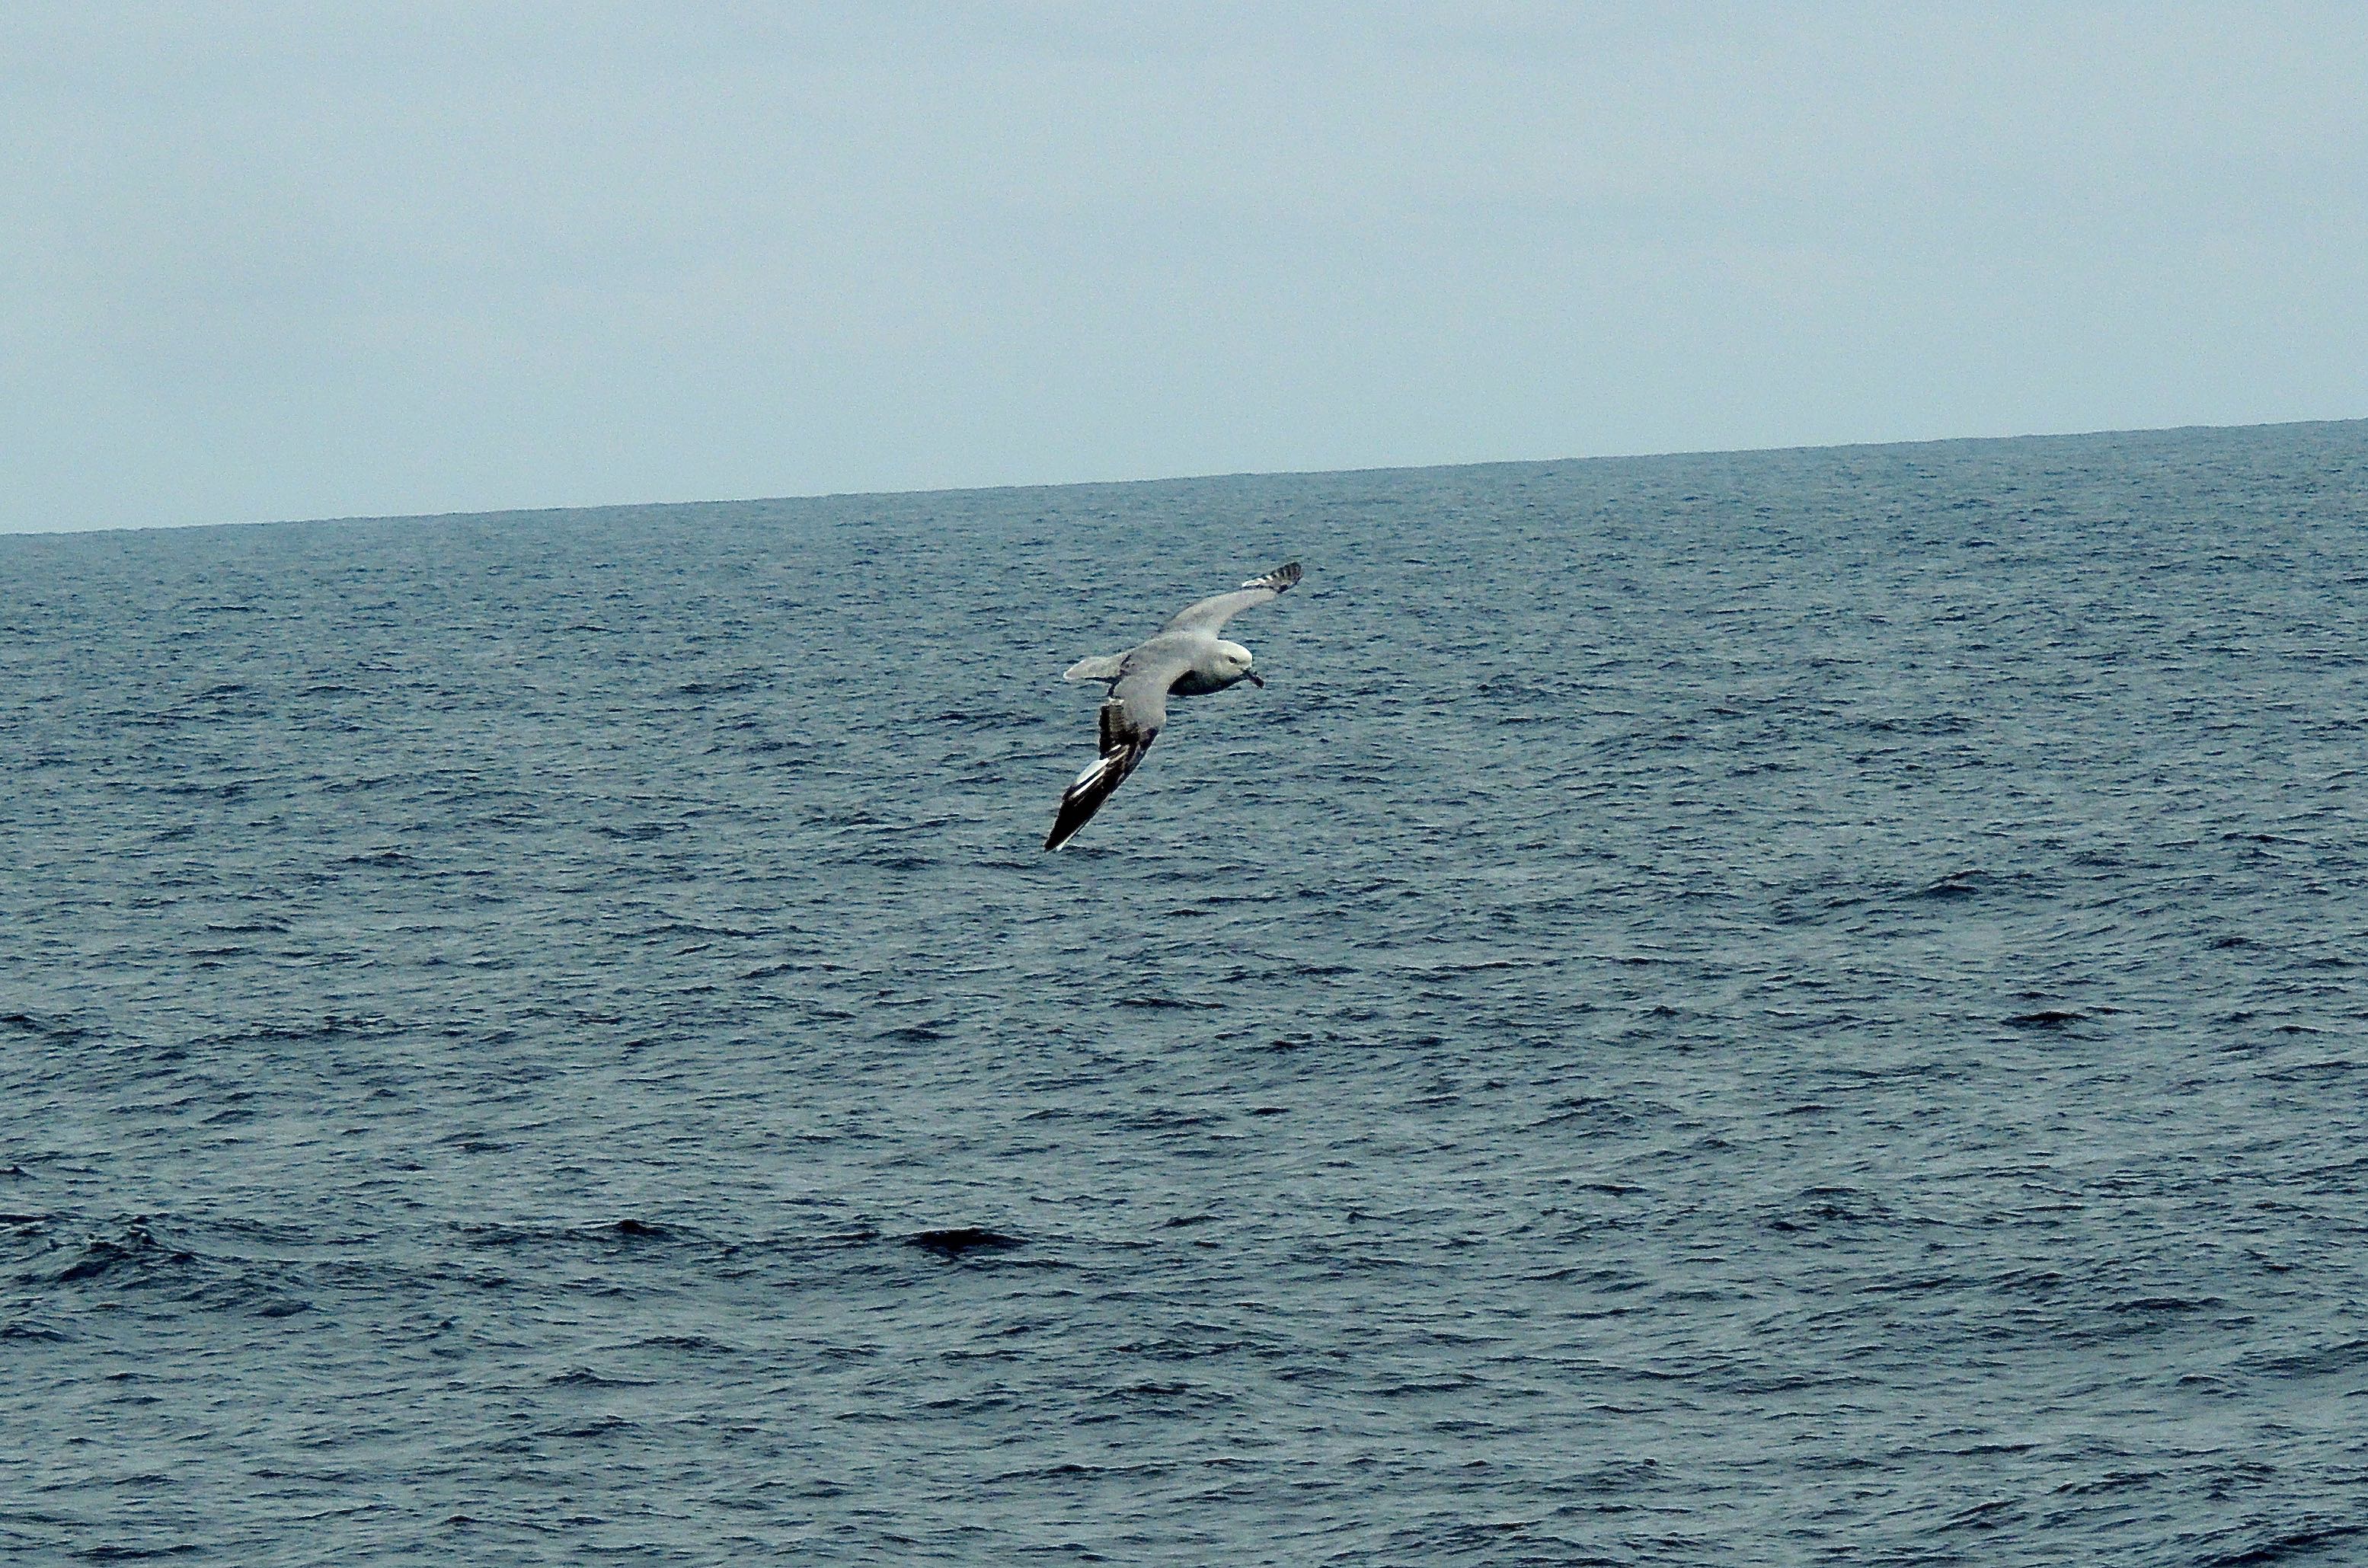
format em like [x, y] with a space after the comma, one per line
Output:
[1234, 663]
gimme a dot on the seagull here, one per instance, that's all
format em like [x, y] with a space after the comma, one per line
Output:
[1185, 659]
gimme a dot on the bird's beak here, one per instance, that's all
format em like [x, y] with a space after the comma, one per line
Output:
[1254, 678]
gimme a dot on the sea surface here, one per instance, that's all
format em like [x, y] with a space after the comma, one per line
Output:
[1783, 1007]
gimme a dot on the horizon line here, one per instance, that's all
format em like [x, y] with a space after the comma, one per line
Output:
[1167, 479]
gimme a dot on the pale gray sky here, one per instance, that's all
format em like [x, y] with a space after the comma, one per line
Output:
[268, 261]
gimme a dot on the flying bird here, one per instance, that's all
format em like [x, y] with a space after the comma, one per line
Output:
[1185, 659]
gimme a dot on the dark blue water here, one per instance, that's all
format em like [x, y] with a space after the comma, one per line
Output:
[1786, 1007]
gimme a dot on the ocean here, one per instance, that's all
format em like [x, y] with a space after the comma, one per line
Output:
[1779, 1008]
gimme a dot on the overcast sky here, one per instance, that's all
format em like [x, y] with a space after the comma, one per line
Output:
[335, 259]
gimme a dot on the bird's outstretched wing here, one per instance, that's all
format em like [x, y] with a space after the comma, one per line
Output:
[1211, 613]
[1131, 721]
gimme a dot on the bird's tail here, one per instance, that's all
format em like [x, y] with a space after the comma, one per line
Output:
[1104, 668]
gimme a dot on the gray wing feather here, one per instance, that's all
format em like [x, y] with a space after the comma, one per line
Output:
[1138, 703]
[1211, 613]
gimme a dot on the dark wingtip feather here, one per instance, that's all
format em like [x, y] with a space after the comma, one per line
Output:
[1080, 802]
[1077, 809]
[1098, 783]
[1065, 824]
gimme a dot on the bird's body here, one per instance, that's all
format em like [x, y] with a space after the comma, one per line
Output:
[1186, 658]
